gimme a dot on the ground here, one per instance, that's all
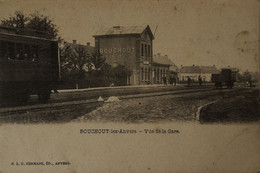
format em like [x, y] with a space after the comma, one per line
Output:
[208, 106]
[226, 105]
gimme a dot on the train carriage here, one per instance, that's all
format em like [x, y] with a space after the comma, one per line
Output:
[28, 64]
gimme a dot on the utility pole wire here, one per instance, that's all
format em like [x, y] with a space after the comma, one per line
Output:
[155, 30]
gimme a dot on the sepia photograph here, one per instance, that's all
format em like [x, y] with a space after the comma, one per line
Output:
[129, 86]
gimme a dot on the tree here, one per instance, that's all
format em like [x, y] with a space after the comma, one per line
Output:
[120, 74]
[42, 23]
[19, 20]
[34, 21]
[245, 77]
[82, 66]
[76, 62]
[97, 60]
[75, 58]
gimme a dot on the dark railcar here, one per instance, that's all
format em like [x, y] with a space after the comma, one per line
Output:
[28, 65]
[226, 77]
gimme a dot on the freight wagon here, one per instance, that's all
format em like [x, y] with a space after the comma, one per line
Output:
[227, 77]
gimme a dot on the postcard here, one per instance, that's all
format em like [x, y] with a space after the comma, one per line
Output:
[129, 86]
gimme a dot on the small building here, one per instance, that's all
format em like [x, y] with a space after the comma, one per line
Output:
[195, 71]
[89, 50]
[131, 47]
[163, 67]
[77, 52]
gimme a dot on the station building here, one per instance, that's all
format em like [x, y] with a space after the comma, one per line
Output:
[131, 47]
[194, 71]
[163, 67]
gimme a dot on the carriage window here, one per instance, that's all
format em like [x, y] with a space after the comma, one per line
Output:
[4, 49]
[7, 50]
[34, 56]
[26, 52]
[19, 52]
[10, 50]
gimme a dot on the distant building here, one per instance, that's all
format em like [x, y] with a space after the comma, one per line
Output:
[87, 47]
[78, 49]
[195, 71]
[255, 76]
[131, 47]
[163, 67]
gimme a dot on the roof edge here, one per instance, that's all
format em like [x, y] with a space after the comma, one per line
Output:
[118, 35]
[147, 27]
[149, 30]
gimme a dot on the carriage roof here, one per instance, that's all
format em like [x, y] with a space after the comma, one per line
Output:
[24, 33]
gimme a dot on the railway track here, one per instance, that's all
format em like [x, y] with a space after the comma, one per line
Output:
[66, 104]
[104, 92]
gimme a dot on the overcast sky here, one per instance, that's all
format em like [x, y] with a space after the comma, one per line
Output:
[200, 32]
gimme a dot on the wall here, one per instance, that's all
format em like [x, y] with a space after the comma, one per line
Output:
[145, 57]
[129, 51]
[119, 50]
[194, 76]
[160, 71]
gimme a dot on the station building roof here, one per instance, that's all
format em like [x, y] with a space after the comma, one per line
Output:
[123, 30]
[164, 60]
[199, 69]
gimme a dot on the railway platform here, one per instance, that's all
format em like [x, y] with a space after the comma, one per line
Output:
[118, 87]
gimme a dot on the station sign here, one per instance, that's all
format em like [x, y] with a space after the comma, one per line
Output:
[146, 62]
[117, 50]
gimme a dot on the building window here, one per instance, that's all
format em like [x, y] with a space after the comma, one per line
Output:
[155, 75]
[142, 49]
[149, 74]
[161, 74]
[149, 51]
[145, 50]
[158, 75]
[142, 73]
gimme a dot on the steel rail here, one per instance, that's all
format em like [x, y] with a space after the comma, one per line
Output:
[69, 104]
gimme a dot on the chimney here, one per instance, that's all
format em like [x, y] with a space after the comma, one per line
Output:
[74, 41]
[116, 27]
[88, 43]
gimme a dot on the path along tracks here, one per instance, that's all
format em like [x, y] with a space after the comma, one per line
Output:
[66, 104]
